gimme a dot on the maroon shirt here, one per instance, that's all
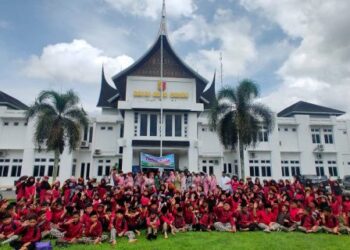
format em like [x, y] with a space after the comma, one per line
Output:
[9, 228]
[29, 234]
[93, 231]
[120, 225]
[73, 230]
[224, 216]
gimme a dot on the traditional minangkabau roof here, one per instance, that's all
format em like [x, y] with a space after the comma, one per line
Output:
[149, 65]
[11, 102]
[108, 95]
[306, 108]
[208, 95]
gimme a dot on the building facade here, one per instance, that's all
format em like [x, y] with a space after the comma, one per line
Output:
[159, 105]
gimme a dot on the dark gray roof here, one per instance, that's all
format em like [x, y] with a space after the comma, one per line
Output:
[120, 79]
[11, 102]
[208, 95]
[108, 95]
[306, 108]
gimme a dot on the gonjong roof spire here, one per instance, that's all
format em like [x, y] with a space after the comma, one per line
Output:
[163, 27]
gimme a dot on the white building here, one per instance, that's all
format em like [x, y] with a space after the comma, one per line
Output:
[307, 138]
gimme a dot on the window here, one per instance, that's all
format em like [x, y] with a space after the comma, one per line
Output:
[6, 123]
[121, 134]
[153, 125]
[285, 171]
[16, 171]
[315, 135]
[204, 169]
[91, 132]
[295, 171]
[85, 134]
[4, 171]
[99, 170]
[107, 170]
[332, 168]
[50, 170]
[120, 150]
[39, 171]
[15, 123]
[103, 128]
[294, 129]
[143, 125]
[328, 136]
[168, 125]
[319, 171]
[178, 125]
[262, 134]
[286, 129]
[185, 119]
[110, 128]
[225, 168]
[254, 171]
[229, 168]
[74, 169]
[211, 170]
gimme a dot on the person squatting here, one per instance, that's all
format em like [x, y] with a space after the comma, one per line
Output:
[91, 212]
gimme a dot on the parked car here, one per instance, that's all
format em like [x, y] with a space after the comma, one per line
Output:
[313, 179]
[346, 181]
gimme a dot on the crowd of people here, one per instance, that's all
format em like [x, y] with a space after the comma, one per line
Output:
[124, 205]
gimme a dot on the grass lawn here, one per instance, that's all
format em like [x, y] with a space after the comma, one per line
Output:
[215, 240]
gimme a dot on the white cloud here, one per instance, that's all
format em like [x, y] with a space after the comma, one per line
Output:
[152, 8]
[75, 62]
[319, 68]
[233, 39]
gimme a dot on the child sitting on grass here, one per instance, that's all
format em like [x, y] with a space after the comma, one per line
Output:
[153, 224]
[29, 234]
[119, 227]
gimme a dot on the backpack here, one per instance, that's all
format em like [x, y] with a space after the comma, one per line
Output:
[44, 245]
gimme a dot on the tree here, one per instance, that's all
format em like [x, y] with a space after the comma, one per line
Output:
[58, 122]
[237, 118]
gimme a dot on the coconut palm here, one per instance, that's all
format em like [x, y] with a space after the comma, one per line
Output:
[58, 122]
[237, 118]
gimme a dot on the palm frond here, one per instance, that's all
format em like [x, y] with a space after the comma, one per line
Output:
[228, 93]
[78, 115]
[227, 130]
[264, 114]
[73, 132]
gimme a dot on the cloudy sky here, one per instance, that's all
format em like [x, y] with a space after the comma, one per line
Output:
[294, 49]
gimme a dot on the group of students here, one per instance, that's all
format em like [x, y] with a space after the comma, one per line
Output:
[91, 212]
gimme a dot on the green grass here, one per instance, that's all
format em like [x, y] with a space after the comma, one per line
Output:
[220, 241]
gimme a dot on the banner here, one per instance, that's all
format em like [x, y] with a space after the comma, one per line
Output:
[150, 161]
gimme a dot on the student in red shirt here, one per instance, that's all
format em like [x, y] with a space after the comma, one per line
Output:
[167, 220]
[93, 231]
[329, 222]
[225, 218]
[153, 223]
[8, 228]
[308, 224]
[119, 227]
[245, 220]
[266, 219]
[29, 234]
[179, 221]
[73, 230]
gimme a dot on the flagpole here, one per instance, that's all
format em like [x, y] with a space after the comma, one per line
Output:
[162, 34]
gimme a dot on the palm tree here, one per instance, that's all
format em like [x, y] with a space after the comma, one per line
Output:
[237, 118]
[58, 122]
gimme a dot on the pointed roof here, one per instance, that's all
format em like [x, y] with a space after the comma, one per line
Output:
[306, 108]
[149, 65]
[108, 94]
[208, 94]
[11, 102]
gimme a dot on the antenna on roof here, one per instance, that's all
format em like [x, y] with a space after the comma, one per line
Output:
[163, 29]
[221, 71]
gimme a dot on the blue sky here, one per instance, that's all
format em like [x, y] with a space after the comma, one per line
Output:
[294, 49]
